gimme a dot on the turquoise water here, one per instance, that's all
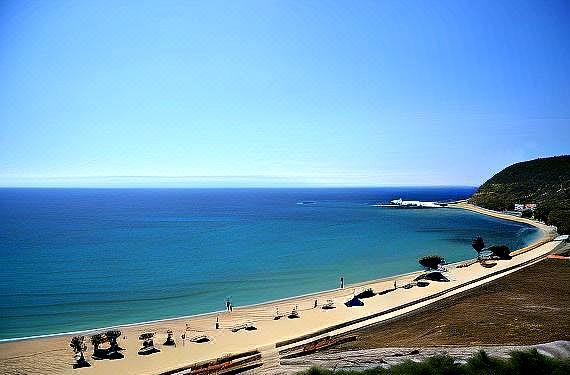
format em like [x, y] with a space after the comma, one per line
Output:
[75, 259]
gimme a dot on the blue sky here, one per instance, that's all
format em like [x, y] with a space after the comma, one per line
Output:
[279, 93]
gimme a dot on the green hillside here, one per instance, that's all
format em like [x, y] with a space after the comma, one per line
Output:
[545, 182]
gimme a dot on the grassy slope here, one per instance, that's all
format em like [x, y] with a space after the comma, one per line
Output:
[543, 181]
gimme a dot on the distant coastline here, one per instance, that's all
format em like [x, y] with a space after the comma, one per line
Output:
[544, 228]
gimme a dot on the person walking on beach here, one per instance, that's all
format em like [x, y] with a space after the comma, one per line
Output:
[315, 304]
[395, 287]
[228, 303]
[342, 283]
[218, 322]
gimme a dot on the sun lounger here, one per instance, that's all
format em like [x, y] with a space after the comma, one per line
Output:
[169, 339]
[146, 335]
[277, 315]
[147, 350]
[294, 314]
[148, 344]
[248, 326]
[200, 339]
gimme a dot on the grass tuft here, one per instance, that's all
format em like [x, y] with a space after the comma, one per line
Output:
[529, 362]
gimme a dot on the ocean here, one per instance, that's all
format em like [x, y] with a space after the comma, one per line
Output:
[75, 259]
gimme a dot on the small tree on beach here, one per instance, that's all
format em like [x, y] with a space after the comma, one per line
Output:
[96, 340]
[478, 244]
[78, 345]
[500, 251]
[112, 336]
[431, 261]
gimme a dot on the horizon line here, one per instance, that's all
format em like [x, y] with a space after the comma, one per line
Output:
[243, 187]
[219, 181]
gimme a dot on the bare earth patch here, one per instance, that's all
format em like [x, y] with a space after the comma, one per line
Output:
[527, 307]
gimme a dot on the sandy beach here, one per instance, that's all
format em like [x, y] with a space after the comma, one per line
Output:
[52, 355]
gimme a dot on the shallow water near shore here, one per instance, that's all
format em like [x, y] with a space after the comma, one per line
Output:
[74, 259]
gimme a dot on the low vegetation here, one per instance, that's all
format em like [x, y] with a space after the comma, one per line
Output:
[558, 217]
[529, 362]
[545, 182]
[527, 214]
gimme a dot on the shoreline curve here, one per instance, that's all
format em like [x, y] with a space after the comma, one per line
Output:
[314, 323]
[456, 205]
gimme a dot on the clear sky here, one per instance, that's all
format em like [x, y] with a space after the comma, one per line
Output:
[279, 93]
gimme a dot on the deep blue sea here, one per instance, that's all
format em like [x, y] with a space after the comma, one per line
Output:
[73, 259]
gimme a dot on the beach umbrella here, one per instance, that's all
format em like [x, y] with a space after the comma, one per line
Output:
[354, 302]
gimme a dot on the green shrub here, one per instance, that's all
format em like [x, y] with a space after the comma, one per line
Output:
[527, 214]
[481, 363]
[439, 364]
[529, 362]
[542, 210]
[561, 219]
